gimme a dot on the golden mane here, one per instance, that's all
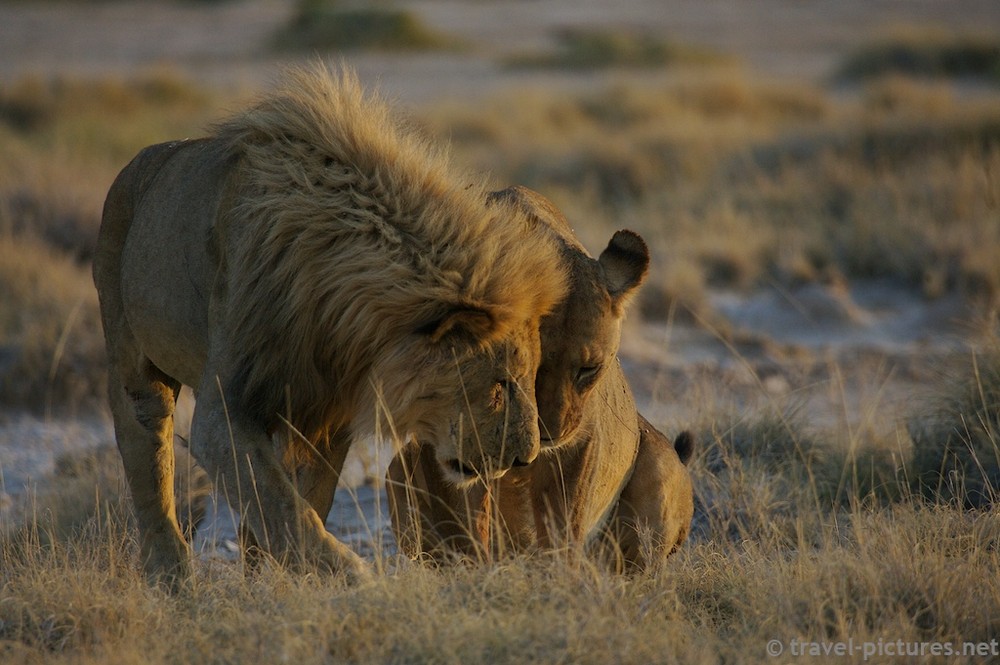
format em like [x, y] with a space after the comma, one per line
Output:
[356, 234]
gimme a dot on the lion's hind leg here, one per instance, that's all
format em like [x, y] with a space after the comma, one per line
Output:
[142, 404]
[653, 514]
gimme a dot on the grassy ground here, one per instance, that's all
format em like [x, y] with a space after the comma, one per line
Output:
[794, 542]
[802, 533]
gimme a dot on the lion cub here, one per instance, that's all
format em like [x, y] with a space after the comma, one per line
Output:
[606, 478]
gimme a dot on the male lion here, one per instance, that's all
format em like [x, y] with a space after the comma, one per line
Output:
[605, 477]
[314, 272]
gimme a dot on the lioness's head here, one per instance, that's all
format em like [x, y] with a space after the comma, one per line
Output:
[580, 337]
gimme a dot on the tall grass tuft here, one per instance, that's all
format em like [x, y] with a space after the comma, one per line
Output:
[957, 446]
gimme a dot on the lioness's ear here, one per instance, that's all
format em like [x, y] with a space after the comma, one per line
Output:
[625, 262]
[468, 324]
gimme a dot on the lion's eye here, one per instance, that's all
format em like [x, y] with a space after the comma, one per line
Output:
[497, 395]
[587, 374]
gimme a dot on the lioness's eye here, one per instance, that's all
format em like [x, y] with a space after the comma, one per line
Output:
[587, 374]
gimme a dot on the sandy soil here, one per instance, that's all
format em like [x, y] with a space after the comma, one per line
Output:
[841, 352]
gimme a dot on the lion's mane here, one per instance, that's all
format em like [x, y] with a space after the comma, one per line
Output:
[350, 234]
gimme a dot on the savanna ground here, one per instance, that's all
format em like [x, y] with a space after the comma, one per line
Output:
[820, 186]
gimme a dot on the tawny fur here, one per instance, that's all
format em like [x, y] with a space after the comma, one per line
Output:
[314, 271]
[606, 478]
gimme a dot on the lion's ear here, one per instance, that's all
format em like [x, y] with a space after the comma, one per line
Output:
[466, 324]
[625, 262]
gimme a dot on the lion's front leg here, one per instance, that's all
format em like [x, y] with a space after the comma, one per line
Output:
[315, 481]
[429, 514]
[240, 455]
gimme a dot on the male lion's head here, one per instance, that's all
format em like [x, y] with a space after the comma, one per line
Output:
[476, 404]
[580, 337]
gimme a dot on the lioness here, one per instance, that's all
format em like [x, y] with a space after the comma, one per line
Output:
[605, 476]
[314, 272]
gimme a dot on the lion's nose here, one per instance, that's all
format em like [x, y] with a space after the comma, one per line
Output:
[527, 457]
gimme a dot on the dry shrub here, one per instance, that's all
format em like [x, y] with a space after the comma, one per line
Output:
[736, 96]
[926, 53]
[676, 291]
[898, 96]
[327, 25]
[58, 203]
[687, 124]
[64, 140]
[767, 474]
[904, 574]
[588, 48]
[898, 198]
[752, 475]
[99, 124]
[51, 344]
[33, 104]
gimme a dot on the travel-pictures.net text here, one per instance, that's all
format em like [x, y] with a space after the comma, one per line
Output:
[881, 648]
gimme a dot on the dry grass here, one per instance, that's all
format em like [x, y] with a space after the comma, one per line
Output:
[791, 542]
[771, 558]
[51, 345]
[796, 537]
[957, 445]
